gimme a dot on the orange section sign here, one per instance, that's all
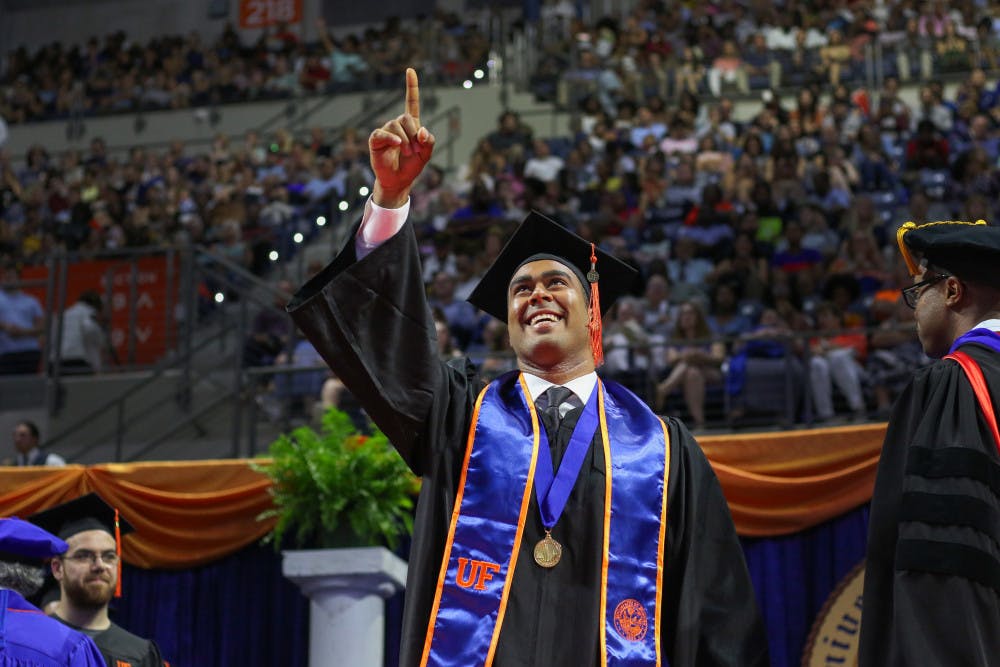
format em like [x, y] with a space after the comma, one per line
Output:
[155, 327]
[264, 13]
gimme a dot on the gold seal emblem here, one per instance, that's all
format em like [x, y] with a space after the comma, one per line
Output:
[834, 636]
[630, 620]
[548, 551]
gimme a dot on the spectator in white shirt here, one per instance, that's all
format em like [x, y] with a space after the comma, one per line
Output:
[543, 165]
[83, 339]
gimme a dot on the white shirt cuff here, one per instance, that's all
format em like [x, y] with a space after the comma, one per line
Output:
[378, 225]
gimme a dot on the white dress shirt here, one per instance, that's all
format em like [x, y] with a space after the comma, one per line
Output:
[992, 325]
[582, 387]
[378, 225]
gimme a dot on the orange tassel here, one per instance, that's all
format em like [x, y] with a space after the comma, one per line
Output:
[596, 333]
[118, 550]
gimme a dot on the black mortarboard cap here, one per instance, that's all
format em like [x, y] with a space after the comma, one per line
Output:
[538, 237]
[88, 512]
[21, 541]
[968, 250]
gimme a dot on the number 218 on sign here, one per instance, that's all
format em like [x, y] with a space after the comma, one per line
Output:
[264, 13]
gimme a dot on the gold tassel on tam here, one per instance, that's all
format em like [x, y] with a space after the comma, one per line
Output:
[596, 333]
[911, 263]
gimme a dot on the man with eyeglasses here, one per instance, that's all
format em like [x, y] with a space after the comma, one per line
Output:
[27, 636]
[89, 575]
[932, 576]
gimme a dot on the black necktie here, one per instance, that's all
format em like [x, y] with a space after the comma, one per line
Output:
[548, 404]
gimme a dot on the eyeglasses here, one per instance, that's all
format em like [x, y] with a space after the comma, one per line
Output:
[84, 557]
[912, 293]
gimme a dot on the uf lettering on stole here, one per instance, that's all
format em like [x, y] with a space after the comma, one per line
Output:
[471, 570]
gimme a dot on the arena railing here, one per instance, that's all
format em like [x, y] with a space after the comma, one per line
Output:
[203, 308]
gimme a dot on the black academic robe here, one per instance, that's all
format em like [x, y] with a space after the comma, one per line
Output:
[932, 576]
[121, 648]
[370, 321]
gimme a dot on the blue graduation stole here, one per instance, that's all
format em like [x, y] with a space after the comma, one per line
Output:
[487, 526]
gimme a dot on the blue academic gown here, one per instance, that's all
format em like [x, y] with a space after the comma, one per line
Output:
[29, 638]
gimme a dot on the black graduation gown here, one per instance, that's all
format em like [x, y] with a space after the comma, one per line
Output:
[121, 648]
[932, 576]
[370, 321]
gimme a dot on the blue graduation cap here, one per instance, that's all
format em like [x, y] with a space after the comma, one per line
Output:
[24, 542]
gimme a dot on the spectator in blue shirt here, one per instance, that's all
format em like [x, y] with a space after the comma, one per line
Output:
[21, 323]
[325, 184]
[791, 256]
[725, 318]
[463, 319]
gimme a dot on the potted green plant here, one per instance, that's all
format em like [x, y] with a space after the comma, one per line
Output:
[337, 487]
[340, 498]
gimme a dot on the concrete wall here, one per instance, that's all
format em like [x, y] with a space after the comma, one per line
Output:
[191, 125]
[38, 23]
[34, 23]
[479, 107]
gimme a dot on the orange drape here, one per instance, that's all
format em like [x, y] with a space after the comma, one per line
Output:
[780, 483]
[193, 512]
[185, 513]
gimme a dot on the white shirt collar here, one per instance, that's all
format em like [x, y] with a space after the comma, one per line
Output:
[992, 325]
[582, 386]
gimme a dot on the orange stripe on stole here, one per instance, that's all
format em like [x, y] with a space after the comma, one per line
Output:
[662, 547]
[525, 503]
[606, 542]
[456, 513]
[451, 529]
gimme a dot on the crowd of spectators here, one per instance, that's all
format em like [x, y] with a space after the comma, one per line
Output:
[665, 49]
[659, 49]
[115, 74]
[768, 238]
[244, 198]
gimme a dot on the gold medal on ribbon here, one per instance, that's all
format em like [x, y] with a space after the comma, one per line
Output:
[548, 551]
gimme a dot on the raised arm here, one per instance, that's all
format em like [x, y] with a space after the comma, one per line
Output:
[324, 34]
[366, 312]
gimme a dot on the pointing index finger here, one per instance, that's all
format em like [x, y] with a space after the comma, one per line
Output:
[412, 93]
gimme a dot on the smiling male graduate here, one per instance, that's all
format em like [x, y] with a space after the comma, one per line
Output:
[89, 575]
[560, 521]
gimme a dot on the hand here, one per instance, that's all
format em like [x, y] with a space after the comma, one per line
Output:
[399, 150]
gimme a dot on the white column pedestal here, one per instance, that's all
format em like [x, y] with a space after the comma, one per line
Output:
[347, 589]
